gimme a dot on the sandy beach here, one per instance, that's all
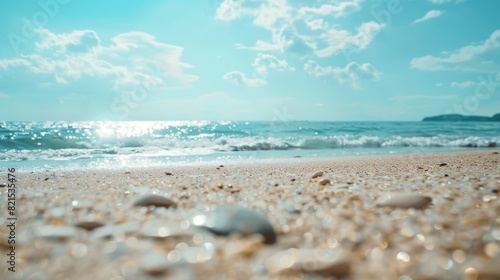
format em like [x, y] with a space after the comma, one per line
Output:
[415, 216]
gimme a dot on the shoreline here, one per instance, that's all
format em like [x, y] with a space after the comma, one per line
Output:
[155, 163]
[456, 235]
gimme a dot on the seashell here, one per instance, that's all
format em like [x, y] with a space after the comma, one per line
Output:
[324, 182]
[317, 174]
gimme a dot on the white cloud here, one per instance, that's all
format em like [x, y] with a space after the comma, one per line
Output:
[429, 15]
[279, 41]
[265, 15]
[316, 24]
[283, 21]
[78, 41]
[240, 78]
[268, 14]
[336, 10]
[229, 10]
[264, 61]
[350, 74]
[469, 58]
[261, 64]
[465, 84]
[439, 2]
[439, 84]
[60, 80]
[339, 40]
[132, 59]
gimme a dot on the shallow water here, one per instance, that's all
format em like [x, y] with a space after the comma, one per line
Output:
[107, 144]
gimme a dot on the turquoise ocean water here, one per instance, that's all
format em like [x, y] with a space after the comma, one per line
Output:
[34, 145]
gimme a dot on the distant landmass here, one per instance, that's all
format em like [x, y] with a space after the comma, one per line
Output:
[462, 118]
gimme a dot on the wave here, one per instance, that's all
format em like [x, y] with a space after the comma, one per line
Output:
[76, 140]
[208, 144]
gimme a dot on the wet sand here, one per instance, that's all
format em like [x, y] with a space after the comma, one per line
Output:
[83, 224]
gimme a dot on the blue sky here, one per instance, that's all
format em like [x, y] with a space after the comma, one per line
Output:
[330, 60]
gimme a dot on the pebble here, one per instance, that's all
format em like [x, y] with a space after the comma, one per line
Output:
[111, 230]
[228, 219]
[169, 173]
[324, 182]
[3, 185]
[405, 200]
[154, 200]
[318, 261]
[56, 232]
[89, 224]
[317, 174]
[443, 164]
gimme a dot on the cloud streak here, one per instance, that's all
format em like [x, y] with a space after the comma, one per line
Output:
[261, 64]
[430, 15]
[471, 58]
[351, 74]
[240, 78]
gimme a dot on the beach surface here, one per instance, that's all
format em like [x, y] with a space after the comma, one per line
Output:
[412, 216]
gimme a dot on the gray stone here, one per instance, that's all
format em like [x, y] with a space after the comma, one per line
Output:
[56, 232]
[108, 231]
[228, 219]
[154, 200]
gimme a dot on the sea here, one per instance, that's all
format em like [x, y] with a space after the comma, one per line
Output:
[117, 144]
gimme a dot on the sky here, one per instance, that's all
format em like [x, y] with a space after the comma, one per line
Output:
[289, 60]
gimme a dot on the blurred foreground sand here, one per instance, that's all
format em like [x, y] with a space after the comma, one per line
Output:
[456, 236]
